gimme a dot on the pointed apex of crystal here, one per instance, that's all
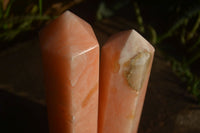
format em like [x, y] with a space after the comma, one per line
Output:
[67, 30]
[82, 23]
[139, 40]
[129, 40]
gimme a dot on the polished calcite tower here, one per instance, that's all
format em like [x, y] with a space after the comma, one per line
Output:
[70, 54]
[126, 60]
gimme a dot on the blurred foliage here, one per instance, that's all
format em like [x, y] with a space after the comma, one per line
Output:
[12, 24]
[20, 17]
[106, 10]
[183, 42]
[180, 40]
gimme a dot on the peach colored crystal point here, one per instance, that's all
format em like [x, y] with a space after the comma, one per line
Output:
[125, 66]
[70, 54]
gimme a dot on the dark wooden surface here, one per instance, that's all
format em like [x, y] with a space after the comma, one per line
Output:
[20, 115]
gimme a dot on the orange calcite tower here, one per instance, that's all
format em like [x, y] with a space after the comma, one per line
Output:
[70, 54]
[125, 66]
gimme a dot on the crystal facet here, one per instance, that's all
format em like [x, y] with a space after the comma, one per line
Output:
[125, 66]
[70, 54]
